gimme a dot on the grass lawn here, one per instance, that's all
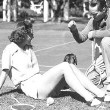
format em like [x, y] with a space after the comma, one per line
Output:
[65, 101]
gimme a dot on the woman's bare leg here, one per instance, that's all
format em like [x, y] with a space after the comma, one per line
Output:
[86, 82]
[52, 77]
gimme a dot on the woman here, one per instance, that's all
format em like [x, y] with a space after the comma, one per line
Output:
[20, 63]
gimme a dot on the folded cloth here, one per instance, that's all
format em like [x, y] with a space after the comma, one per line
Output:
[107, 81]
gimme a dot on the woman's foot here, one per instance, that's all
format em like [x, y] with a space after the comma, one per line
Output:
[94, 102]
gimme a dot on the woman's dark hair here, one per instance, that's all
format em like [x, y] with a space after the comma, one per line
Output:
[71, 58]
[23, 29]
[27, 24]
[18, 36]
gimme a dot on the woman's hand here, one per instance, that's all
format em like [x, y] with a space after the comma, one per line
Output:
[71, 23]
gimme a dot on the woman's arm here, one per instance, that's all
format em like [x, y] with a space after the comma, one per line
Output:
[3, 76]
[83, 35]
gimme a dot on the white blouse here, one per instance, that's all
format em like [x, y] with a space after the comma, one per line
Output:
[22, 64]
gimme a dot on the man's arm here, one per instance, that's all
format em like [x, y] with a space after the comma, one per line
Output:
[82, 36]
[102, 32]
[99, 34]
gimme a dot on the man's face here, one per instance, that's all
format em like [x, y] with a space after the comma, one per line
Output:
[108, 3]
[94, 6]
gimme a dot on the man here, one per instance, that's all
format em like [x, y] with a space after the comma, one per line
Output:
[97, 27]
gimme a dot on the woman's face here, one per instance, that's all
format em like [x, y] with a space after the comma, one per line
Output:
[27, 40]
[94, 6]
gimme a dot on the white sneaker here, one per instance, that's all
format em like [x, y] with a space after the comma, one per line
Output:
[95, 102]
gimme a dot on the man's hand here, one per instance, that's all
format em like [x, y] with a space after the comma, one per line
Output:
[90, 35]
[71, 23]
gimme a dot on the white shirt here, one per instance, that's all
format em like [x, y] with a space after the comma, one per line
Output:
[22, 64]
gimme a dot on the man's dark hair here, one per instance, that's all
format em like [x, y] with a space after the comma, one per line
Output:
[102, 4]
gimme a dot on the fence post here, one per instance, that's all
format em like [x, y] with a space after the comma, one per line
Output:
[66, 11]
[5, 10]
[15, 10]
[9, 11]
[46, 11]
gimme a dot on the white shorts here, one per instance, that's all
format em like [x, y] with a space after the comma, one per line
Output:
[30, 86]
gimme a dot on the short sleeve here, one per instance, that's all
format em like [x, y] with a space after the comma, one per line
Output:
[6, 59]
[35, 62]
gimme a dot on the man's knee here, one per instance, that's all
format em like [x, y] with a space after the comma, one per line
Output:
[105, 42]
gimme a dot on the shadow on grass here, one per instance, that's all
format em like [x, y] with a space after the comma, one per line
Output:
[73, 95]
[12, 91]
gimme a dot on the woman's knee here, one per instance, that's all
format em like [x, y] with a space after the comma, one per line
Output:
[105, 42]
[65, 64]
